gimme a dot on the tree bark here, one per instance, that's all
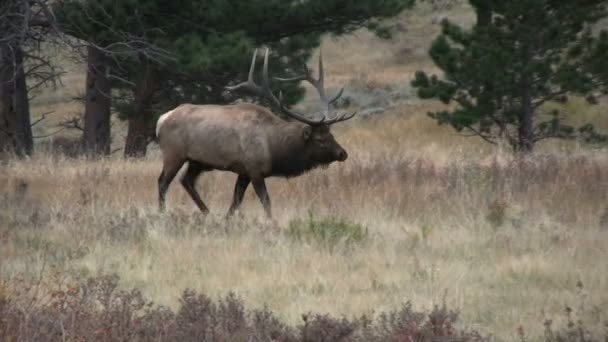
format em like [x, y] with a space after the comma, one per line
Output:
[141, 125]
[6, 100]
[526, 117]
[23, 125]
[15, 125]
[483, 13]
[526, 123]
[96, 136]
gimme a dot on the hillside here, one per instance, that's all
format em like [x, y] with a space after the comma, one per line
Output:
[376, 74]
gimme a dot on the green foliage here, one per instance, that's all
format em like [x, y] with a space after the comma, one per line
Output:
[211, 42]
[426, 231]
[328, 233]
[497, 213]
[589, 135]
[520, 55]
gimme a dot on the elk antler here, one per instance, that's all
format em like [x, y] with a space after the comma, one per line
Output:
[265, 91]
[318, 84]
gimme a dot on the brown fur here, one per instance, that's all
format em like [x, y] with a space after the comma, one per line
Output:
[246, 139]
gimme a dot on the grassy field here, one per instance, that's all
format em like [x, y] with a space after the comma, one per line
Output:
[416, 213]
[504, 240]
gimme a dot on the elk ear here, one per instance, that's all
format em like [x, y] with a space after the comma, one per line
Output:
[307, 132]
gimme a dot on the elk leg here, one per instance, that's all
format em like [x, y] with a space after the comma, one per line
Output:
[164, 180]
[188, 181]
[242, 182]
[260, 189]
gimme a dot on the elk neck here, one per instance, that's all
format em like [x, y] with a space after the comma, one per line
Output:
[291, 154]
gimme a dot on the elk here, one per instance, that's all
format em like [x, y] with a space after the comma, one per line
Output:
[247, 139]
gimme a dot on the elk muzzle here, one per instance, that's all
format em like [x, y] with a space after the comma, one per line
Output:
[341, 155]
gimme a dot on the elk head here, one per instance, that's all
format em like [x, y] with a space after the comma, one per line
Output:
[321, 144]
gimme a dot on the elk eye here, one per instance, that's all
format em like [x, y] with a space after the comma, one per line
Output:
[307, 132]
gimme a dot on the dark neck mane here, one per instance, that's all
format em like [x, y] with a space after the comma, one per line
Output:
[292, 155]
[294, 164]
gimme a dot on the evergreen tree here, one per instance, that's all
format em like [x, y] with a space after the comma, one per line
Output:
[210, 43]
[115, 37]
[520, 55]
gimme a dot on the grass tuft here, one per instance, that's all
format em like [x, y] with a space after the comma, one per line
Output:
[328, 233]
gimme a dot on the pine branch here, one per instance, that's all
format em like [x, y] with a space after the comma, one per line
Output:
[477, 133]
[549, 97]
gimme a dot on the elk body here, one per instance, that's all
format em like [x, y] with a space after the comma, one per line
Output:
[246, 139]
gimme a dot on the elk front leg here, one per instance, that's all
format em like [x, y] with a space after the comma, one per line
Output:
[170, 169]
[260, 189]
[242, 182]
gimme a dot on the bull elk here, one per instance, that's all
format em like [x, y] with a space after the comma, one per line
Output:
[247, 139]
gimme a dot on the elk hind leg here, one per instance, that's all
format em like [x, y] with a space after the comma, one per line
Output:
[189, 180]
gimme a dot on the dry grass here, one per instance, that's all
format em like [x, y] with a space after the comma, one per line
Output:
[507, 240]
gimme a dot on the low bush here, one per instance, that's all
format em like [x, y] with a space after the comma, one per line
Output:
[97, 310]
[573, 331]
[328, 232]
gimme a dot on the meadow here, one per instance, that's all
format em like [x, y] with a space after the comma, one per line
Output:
[417, 213]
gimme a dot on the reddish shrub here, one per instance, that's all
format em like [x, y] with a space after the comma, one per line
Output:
[96, 310]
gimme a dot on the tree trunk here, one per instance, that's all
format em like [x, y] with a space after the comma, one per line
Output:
[15, 125]
[141, 125]
[23, 125]
[483, 13]
[138, 137]
[96, 136]
[526, 123]
[6, 100]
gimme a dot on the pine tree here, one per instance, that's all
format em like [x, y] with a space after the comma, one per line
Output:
[519, 55]
[210, 43]
[115, 37]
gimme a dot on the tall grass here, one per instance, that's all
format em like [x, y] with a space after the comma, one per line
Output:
[507, 238]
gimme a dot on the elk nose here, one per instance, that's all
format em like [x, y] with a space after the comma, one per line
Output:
[342, 155]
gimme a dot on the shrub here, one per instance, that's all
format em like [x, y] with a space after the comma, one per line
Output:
[573, 331]
[328, 232]
[497, 213]
[405, 324]
[97, 310]
[324, 328]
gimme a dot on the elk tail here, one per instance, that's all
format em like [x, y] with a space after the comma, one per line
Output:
[159, 124]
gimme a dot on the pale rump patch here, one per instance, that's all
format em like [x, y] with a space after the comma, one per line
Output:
[162, 119]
